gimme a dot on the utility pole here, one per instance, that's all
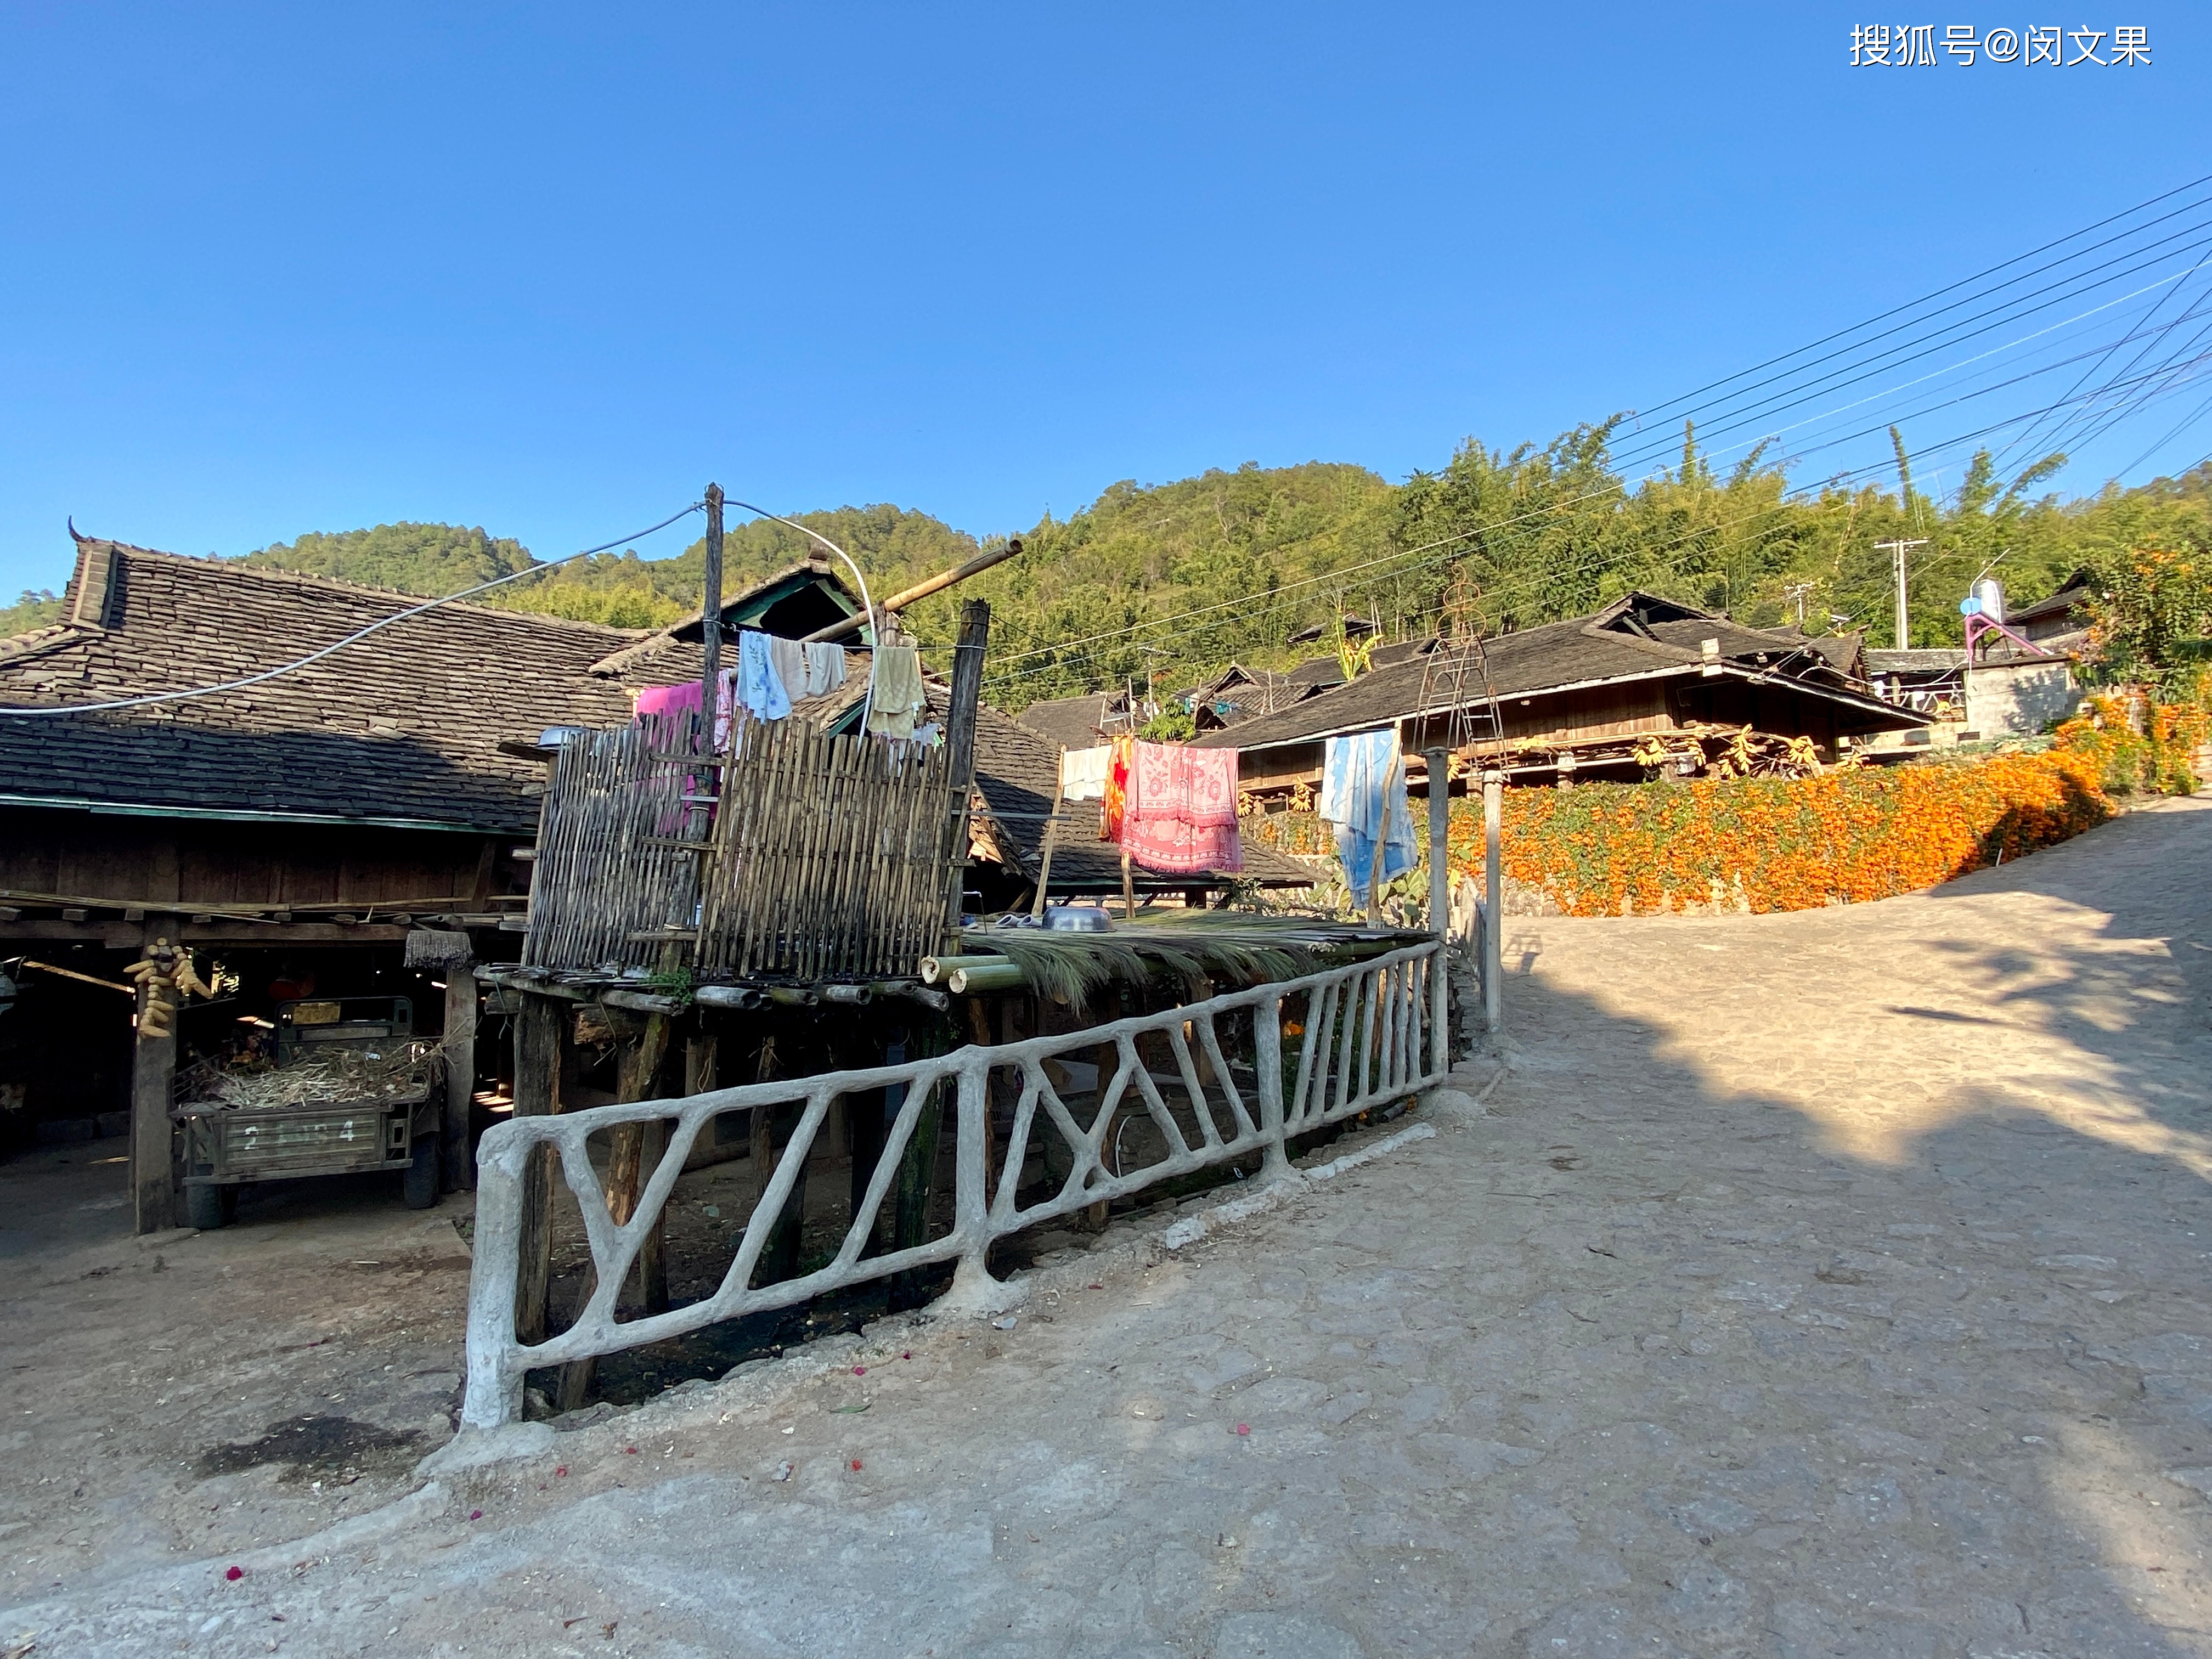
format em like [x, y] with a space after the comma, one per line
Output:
[1794, 594]
[710, 616]
[1904, 617]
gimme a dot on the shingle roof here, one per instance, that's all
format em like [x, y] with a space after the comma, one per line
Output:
[1932, 661]
[404, 727]
[1637, 635]
[2068, 595]
[1073, 722]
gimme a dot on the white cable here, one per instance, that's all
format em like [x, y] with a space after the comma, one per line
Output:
[353, 638]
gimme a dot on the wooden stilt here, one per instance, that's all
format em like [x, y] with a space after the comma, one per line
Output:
[635, 1076]
[537, 1044]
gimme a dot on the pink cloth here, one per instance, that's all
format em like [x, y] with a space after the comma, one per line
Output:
[671, 702]
[1181, 815]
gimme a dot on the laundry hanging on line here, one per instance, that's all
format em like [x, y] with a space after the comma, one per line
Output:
[825, 668]
[671, 702]
[1179, 809]
[1114, 796]
[1083, 773]
[789, 656]
[760, 687]
[895, 692]
[1363, 794]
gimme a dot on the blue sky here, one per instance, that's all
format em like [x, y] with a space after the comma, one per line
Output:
[548, 268]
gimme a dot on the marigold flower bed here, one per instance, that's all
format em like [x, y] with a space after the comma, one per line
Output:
[1784, 844]
[1845, 836]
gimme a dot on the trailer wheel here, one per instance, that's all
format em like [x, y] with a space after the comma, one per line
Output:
[420, 1183]
[209, 1207]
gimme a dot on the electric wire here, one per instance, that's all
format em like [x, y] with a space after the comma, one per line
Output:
[353, 638]
[1520, 589]
[1963, 282]
[1340, 573]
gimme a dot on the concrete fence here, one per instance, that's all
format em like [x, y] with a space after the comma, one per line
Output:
[1308, 1051]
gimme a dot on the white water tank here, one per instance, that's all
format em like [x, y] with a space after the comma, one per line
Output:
[1991, 591]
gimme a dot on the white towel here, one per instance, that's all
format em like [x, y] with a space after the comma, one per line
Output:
[1083, 773]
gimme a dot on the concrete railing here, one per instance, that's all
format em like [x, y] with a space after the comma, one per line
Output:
[1309, 1051]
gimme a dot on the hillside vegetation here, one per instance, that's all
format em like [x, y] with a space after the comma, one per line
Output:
[1171, 581]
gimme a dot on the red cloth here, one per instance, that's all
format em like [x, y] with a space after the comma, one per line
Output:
[1181, 814]
[1113, 805]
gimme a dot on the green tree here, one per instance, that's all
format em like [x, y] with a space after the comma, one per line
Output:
[409, 558]
[39, 608]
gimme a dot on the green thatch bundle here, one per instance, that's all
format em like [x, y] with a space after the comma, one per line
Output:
[1196, 946]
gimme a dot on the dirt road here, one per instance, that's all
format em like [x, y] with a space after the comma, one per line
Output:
[1820, 1284]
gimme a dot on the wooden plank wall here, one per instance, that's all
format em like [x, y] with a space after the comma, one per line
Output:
[201, 861]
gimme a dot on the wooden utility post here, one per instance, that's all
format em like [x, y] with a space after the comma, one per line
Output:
[153, 1081]
[1493, 919]
[460, 1075]
[960, 745]
[1439, 764]
[710, 619]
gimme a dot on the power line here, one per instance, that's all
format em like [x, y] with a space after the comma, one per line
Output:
[1915, 304]
[353, 638]
[1398, 557]
[2010, 310]
[1522, 588]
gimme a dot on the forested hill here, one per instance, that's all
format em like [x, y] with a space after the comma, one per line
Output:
[1175, 580]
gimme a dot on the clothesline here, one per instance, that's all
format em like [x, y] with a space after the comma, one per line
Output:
[774, 673]
[1173, 809]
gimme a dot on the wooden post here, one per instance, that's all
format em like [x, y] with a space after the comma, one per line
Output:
[710, 616]
[460, 1075]
[635, 1075]
[1051, 834]
[633, 1146]
[536, 1093]
[1439, 763]
[153, 1178]
[1128, 889]
[779, 1257]
[1493, 921]
[960, 745]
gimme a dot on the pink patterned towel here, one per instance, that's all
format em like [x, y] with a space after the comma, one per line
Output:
[1182, 818]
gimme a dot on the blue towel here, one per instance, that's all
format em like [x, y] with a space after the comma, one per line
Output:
[1363, 793]
[760, 687]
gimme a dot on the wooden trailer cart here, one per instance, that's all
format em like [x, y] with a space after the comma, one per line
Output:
[392, 1122]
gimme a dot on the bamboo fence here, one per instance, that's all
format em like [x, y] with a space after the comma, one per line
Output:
[611, 866]
[832, 856]
[828, 857]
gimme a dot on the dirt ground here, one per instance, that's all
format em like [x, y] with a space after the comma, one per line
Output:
[1822, 1283]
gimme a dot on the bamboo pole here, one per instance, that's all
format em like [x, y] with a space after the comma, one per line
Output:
[1051, 834]
[921, 590]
